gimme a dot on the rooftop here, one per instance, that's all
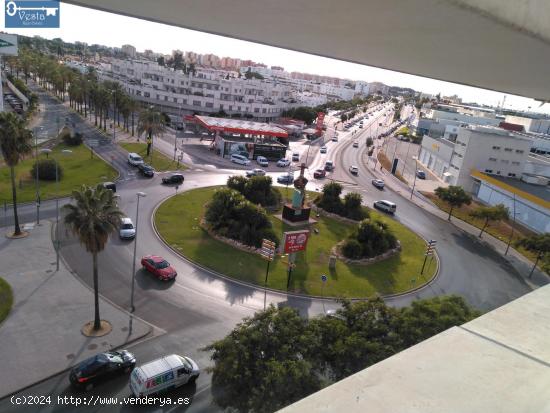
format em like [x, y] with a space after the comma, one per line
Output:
[540, 191]
[240, 126]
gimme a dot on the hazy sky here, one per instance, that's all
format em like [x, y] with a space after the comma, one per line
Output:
[91, 26]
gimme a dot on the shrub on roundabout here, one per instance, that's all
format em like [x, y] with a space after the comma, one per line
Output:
[231, 215]
[258, 189]
[350, 208]
[370, 239]
[46, 170]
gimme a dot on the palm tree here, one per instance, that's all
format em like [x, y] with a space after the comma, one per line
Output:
[15, 142]
[150, 121]
[94, 217]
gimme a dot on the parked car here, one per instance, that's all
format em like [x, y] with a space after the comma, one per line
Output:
[283, 162]
[146, 170]
[361, 126]
[354, 170]
[286, 179]
[110, 185]
[127, 229]
[334, 139]
[329, 166]
[421, 174]
[255, 172]
[163, 374]
[355, 144]
[323, 149]
[159, 267]
[378, 183]
[240, 159]
[100, 368]
[262, 161]
[385, 206]
[295, 157]
[134, 159]
[173, 179]
[319, 173]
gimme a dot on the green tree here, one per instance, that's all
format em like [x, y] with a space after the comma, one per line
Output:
[15, 143]
[492, 213]
[343, 117]
[262, 365]
[93, 218]
[369, 142]
[352, 206]
[455, 196]
[330, 198]
[152, 123]
[373, 236]
[538, 244]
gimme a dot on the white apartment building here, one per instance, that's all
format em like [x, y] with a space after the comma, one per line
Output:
[362, 88]
[487, 149]
[531, 124]
[209, 91]
[129, 51]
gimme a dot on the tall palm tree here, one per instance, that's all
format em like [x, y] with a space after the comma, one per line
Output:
[92, 219]
[15, 142]
[150, 121]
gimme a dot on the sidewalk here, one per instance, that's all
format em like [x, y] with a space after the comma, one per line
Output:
[41, 336]
[518, 261]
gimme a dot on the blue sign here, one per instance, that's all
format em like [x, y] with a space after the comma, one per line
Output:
[324, 278]
[32, 14]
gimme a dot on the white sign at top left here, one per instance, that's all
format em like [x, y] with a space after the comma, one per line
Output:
[8, 44]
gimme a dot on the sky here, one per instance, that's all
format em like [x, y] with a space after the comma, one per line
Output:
[92, 26]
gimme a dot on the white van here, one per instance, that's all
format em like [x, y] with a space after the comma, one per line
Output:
[163, 374]
[134, 159]
[240, 159]
[385, 206]
[329, 166]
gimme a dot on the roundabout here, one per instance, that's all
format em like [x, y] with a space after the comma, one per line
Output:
[177, 220]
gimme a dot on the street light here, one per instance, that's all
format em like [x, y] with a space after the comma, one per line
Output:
[57, 243]
[514, 213]
[113, 92]
[138, 195]
[37, 177]
[415, 169]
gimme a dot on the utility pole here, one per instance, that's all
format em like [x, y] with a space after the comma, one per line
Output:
[429, 252]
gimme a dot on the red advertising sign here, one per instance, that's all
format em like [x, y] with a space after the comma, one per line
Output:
[296, 240]
[320, 120]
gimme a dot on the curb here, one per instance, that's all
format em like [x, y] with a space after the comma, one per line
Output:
[271, 290]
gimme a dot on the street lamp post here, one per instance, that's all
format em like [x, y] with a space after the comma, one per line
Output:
[415, 168]
[132, 308]
[57, 242]
[513, 226]
[37, 174]
[114, 115]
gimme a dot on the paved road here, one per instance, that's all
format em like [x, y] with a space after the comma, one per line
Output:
[199, 307]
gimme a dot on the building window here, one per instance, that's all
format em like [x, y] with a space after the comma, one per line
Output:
[256, 110]
[498, 172]
[166, 98]
[496, 148]
[493, 159]
[511, 175]
[209, 105]
[519, 151]
[507, 149]
[504, 161]
[515, 163]
[230, 107]
[175, 100]
[489, 171]
[196, 103]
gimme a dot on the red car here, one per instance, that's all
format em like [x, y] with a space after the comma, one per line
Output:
[319, 173]
[159, 267]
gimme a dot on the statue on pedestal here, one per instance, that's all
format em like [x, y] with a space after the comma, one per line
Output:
[297, 211]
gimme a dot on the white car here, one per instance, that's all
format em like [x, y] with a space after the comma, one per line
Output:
[134, 159]
[262, 161]
[240, 159]
[323, 149]
[354, 170]
[127, 229]
[378, 183]
[283, 162]
[355, 144]
[255, 172]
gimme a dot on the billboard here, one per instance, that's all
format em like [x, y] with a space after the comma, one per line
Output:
[296, 240]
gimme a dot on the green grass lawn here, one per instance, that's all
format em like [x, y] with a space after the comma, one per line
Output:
[160, 161]
[78, 168]
[6, 299]
[177, 220]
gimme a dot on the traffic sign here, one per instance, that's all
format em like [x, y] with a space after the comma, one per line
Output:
[267, 251]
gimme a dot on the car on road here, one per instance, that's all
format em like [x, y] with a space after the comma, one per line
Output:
[255, 172]
[100, 368]
[127, 229]
[162, 375]
[420, 174]
[354, 170]
[173, 179]
[319, 173]
[262, 161]
[386, 206]
[329, 166]
[240, 159]
[361, 126]
[323, 149]
[159, 267]
[146, 170]
[286, 179]
[378, 183]
[355, 144]
[134, 159]
[334, 139]
[283, 163]
[295, 157]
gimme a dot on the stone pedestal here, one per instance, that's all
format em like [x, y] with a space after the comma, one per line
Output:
[296, 215]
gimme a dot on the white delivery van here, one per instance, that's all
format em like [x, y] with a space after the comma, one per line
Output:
[385, 206]
[163, 374]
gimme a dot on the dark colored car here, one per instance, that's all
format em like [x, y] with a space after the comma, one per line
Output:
[146, 170]
[319, 173]
[421, 174]
[110, 185]
[173, 179]
[101, 367]
[159, 267]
